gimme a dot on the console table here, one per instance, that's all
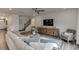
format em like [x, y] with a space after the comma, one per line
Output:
[49, 31]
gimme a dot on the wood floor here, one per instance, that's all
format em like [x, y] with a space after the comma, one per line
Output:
[3, 45]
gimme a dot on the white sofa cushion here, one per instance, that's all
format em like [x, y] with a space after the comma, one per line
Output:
[10, 43]
[19, 44]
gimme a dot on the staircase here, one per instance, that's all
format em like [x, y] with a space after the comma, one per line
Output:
[26, 25]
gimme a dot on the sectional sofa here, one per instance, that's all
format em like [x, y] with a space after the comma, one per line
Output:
[15, 42]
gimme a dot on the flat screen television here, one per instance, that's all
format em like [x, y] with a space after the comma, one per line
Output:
[48, 22]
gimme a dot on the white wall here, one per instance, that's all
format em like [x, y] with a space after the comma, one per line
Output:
[13, 22]
[33, 22]
[77, 27]
[22, 21]
[62, 20]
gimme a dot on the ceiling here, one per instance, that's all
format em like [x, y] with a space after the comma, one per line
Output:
[28, 11]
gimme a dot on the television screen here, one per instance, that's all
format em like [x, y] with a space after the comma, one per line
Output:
[48, 22]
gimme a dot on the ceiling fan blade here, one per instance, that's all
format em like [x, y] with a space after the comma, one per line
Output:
[34, 8]
[41, 10]
[38, 10]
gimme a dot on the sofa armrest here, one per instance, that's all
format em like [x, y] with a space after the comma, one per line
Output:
[10, 43]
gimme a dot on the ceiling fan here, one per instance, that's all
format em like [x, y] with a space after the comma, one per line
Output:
[37, 10]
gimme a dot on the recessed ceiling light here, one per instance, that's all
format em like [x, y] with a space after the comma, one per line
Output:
[10, 9]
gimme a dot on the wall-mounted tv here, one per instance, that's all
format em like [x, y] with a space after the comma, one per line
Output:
[48, 22]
